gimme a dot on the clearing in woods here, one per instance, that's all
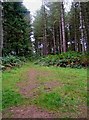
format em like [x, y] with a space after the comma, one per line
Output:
[44, 92]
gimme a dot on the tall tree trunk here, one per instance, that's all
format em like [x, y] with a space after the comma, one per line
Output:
[63, 27]
[75, 41]
[60, 37]
[45, 52]
[60, 31]
[86, 22]
[36, 46]
[54, 40]
[75, 29]
[81, 28]
[87, 37]
[1, 30]
[57, 38]
[69, 35]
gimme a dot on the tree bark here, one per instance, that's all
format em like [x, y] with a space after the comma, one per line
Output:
[75, 29]
[61, 38]
[54, 40]
[1, 30]
[86, 23]
[57, 38]
[81, 28]
[45, 51]
[63, 27]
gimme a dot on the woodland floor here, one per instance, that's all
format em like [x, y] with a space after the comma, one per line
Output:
[40, 84]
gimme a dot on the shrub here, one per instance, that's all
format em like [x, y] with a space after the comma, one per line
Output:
[68, 59]
[12, 61]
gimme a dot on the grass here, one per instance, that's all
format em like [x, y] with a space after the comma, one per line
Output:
[49, 100]
[65, 97]
[10, 95]
[10, 78]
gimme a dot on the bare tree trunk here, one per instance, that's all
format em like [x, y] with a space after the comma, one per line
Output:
[54, 43]
[75, 41]
[75, 38]
[75, 29]
[61, 39]
[69, 34]
[87, 37]
[45, 52]
[57, 38]
[81, 28]
[36, 46]
[1, 30]
[85, 32]
[86, 23]
[60, 31]
[63, 27]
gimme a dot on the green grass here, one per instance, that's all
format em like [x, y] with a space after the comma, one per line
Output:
[10, 78]
[49, 100]
[67, 97]
[10, 95]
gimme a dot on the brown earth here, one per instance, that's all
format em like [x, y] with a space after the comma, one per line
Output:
[30, 87]
[28, 112]
[32, 111]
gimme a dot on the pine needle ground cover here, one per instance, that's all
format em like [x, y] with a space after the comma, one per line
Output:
[61, 90]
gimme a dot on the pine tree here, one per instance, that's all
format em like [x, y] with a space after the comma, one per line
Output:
[16, 29]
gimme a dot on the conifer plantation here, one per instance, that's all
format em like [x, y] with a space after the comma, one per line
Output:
[62, 31]
[44, 60]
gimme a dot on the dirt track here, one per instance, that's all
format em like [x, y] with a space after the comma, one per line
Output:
[29, 89]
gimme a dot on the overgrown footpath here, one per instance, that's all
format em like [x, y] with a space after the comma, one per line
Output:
[61, 91]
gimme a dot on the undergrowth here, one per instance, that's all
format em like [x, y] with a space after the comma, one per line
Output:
[68, 59]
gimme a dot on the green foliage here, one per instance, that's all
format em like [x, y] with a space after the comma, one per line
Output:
[69, 59]
[84, 59]
[16, 29]
[11, 61]
[15, 61]
[9, 98]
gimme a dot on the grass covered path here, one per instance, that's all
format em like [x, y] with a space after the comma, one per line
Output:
[34, 91]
